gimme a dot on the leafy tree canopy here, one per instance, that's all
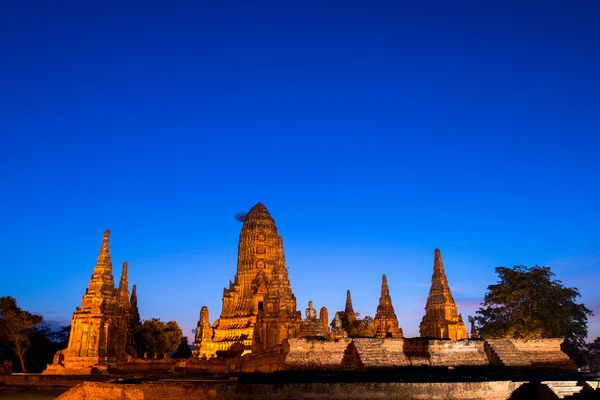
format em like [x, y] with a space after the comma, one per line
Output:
[155, 337]
[357, 328]
[16, 327]
[527, 303]
[362, 328]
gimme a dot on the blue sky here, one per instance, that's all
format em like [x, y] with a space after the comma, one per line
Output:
[374, 132]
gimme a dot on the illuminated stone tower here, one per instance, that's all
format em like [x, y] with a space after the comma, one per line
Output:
[386, 322]
[441, 319]
[277, 318]
[203, 344]
[260, 250]
[102, 328]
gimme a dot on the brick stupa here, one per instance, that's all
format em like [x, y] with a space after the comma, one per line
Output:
[386, 322]
[102, 328]
[441, 319]
[203, 344]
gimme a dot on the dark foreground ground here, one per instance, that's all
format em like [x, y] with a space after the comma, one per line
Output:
[44, 387]
[30, 394]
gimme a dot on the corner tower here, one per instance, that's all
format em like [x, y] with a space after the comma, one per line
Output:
[385, 320]
[441, 319]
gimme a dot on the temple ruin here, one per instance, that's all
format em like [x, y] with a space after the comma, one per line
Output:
[261, 330]
[102, 328]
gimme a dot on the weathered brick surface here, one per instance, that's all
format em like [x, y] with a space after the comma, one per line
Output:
[543, 353]
[316, 391]
[314, 354]
[213, 366]
[375, 353]
[446, 353]
[366, 353]
[394, 353]
[146, 367]
[529, 353]
[266, 361]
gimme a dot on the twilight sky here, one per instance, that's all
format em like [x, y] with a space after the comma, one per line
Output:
[373, 132]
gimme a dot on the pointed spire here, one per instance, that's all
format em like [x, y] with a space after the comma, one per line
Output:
[438, 264]
[385, 291]
[102, 281]
[349, 310]
[385, 318]
[124, 281]
[441, 319]
[134, 307]
[104, 255]
[124, 285]
[439, 293]
[134, 294]
[385, 301]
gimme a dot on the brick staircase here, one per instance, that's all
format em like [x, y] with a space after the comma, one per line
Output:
[375, 353]
[503, 352]
[564, 388]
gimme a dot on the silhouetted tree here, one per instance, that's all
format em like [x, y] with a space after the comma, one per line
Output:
[241, 216]
[527, 303]
[61, 336]
[155, 337]
[183, 350]
[591, 353]
[16, 327]
[45, 342]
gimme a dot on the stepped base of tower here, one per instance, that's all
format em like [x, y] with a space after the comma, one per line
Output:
[231, 335]
[65, 364]
[389, 333]
[443, 329]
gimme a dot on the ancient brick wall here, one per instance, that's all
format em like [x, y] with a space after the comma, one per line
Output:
[375, 353]
[146, 367]
[213, 366]
[394, 353]
[266, 361]
[313, 391]
[446, 353]
[306, 354]
[417, 351]
[543, 353]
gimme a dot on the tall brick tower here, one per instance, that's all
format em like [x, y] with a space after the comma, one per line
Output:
[260, 254]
